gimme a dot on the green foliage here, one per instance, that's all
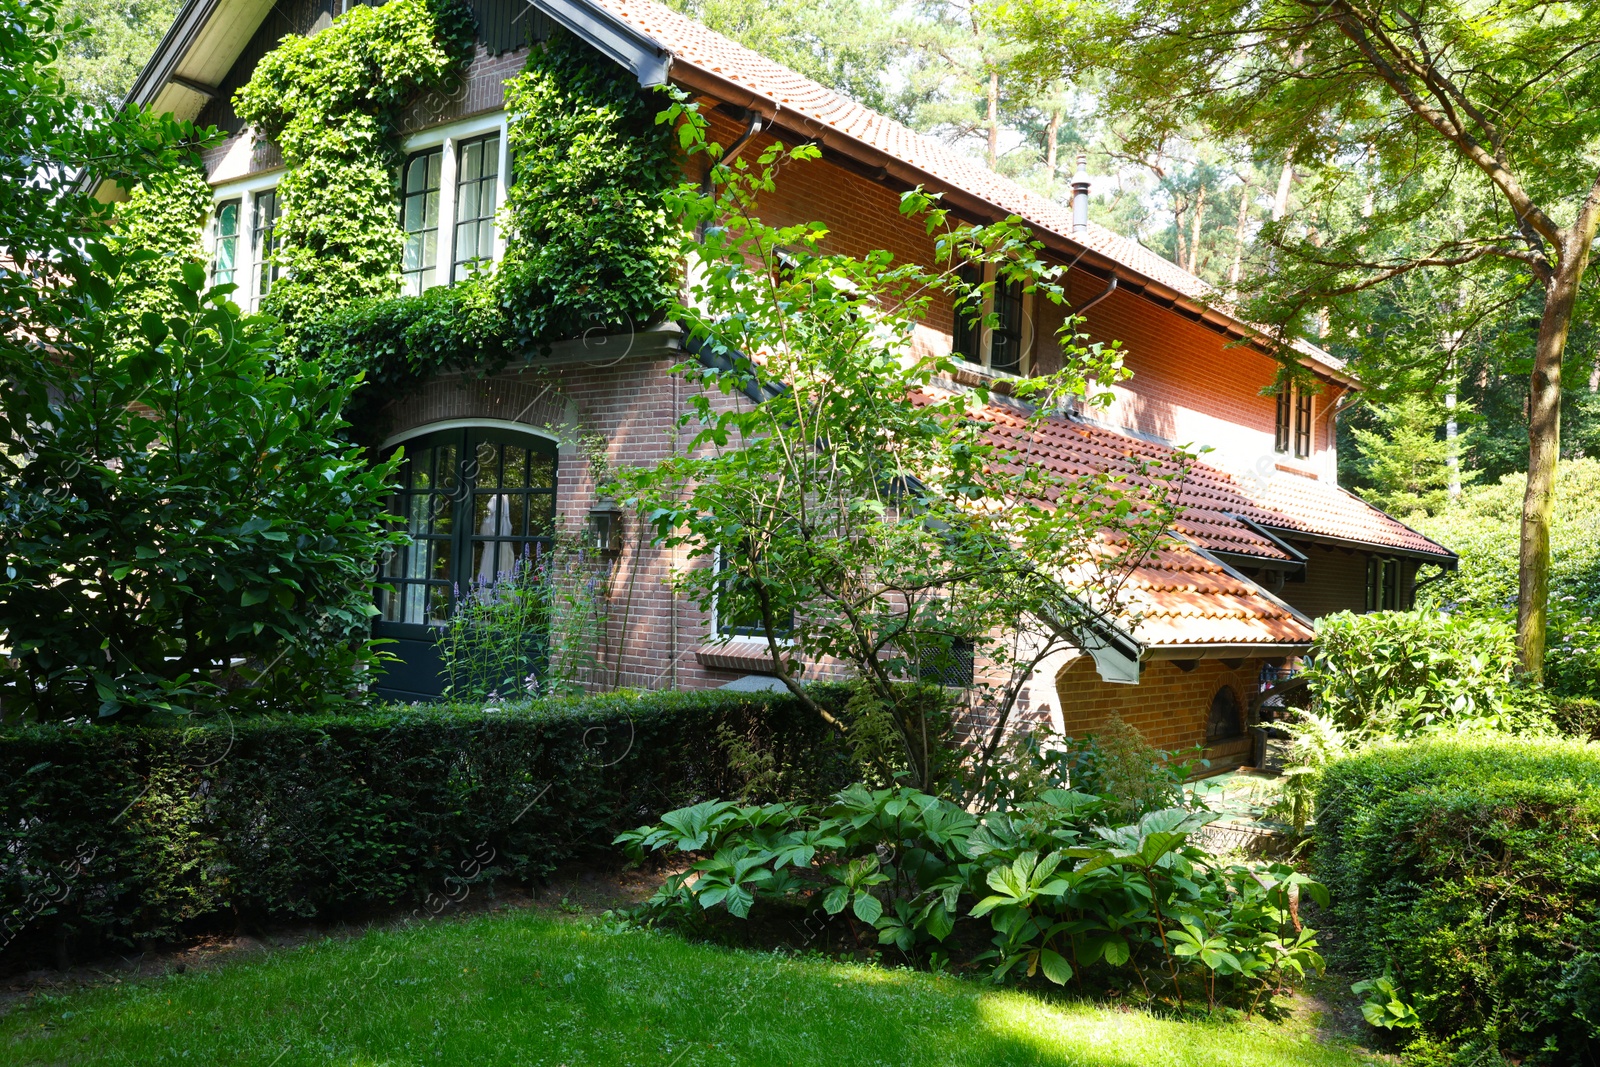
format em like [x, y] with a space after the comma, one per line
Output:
[536, 631]
[589, 245]
[1405, 460]
[1466, 870]
[47, 139]
[587, 237]
[859, 512]
[331, 102]
[181, 525]
[1398, 673]
[1483, 530]
[1066, 895]
[847, 45]
[323, 816]
[163, 214]
[100, 63]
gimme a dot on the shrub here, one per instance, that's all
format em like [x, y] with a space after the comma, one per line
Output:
[1047, 889]
[1468, 870]
[116, 835]
[1483, 529]
[182, 525]
[1398, 673]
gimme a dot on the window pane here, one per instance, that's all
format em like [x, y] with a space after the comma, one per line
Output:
[419, 217]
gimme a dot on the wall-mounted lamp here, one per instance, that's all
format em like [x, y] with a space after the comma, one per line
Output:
[605, 527]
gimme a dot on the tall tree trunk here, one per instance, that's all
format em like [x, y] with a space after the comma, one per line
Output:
[1280, 203]
[994, 118]
[1544, 445]
[1180, 248]
[1052, 135]
[1238, 239]
[1194, 240]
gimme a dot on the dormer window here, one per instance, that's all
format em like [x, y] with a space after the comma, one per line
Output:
[1003, 347]
[1294, 420]
[419, 217]
[477, 186]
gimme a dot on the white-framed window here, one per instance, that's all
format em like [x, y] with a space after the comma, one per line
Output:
[243, 234]
[476, 203]
[449, 204]
[474, 171]
[225, 242]
[1006, 346]
[419, 217]
[264, 240]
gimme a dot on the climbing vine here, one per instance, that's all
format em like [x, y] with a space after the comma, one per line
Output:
[165, 216]
[586, 223]
[332, 102]
[586, 226]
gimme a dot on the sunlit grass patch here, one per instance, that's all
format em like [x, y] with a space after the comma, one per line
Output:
[518, 989]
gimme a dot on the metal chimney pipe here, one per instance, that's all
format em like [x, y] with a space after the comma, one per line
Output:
[1080, 196]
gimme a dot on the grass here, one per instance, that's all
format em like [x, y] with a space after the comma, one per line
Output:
[518, 988]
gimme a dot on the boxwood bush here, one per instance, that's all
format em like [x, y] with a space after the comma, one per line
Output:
[1470, 870]
[121, 835]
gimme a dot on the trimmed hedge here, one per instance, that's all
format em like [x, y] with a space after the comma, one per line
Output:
[116, 836]
[1471, 869]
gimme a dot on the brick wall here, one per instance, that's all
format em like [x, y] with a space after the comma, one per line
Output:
[1169, 706]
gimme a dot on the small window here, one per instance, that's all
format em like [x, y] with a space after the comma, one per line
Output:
[1293, 431]
[1226, 719]
[999, 348]
[951, 667]
[419, 217]
[1285, 428]
[477, 175]
[264, 241]
[965, 341]
[225, 243]
[735, 611]
[1383, 584]
[1005, 340]
[1302, 423]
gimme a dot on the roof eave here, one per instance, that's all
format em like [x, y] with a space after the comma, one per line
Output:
[882, 166]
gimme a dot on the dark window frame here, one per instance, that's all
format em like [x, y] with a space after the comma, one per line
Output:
[1383, 584]
[1302, 424]
[1285, 426]
[457, 492]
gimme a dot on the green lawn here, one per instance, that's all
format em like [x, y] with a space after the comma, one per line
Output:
[517, 988]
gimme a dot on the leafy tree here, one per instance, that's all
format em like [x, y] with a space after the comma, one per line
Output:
[100, 63]
[1490, 107]
[1407, 460]
[180, 523]
[1483, 530]
[858, 512]
[847, 45]
[177, 518]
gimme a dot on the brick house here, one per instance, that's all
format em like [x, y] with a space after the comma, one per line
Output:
[1271, 541]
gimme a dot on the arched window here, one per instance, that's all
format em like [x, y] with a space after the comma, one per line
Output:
[1227, 718]
[474, 501]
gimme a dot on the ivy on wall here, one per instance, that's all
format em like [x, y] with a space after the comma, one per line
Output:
[586, 227]
[332, 102]
[588, 235]
[166, 217]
